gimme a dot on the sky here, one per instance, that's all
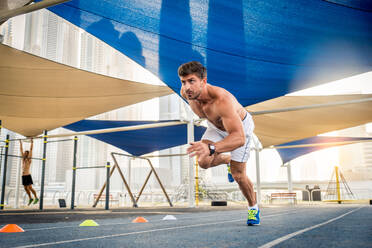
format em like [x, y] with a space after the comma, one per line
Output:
[359, 84]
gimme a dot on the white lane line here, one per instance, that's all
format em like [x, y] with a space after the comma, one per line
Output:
[134, 233]
[291, 235]
[110, 224]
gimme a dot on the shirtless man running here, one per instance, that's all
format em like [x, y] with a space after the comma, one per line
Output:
[26, 175]
[230, 129]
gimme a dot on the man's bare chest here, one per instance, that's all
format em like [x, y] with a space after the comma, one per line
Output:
[209, 112]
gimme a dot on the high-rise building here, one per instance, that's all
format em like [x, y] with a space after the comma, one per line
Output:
[356, 159]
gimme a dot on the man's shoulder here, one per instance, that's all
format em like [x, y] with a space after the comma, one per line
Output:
[218, 92]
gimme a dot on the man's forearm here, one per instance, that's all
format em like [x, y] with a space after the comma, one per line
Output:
[230, 143]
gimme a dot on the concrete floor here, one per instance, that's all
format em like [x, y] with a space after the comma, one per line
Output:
[329, 225]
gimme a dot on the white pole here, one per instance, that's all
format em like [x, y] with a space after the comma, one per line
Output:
[258, 175]
[320, 144]
[130, 172]
[321, 105]
[289, 173]
[1, 165]
[112, 130]
[16, 200]
[190, 138]
[129, 163]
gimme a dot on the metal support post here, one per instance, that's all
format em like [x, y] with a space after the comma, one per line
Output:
[107, 186]
[74, 174]
[197, 182]
[2, 204]
[258, 175]
[338, 186]
[289, 173]
[18, 172]
[43, 171]
[190, 138]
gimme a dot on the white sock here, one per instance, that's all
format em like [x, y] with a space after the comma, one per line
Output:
[255, 207]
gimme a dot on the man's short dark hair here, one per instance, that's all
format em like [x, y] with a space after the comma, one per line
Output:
[192, 67]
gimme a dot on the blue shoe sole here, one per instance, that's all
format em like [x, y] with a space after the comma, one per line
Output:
[230, 177]
[253, 224]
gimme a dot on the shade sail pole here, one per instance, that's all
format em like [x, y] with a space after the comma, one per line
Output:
[289, 177]
[112, 130]
[313, 106]
[41, 202]
[190, 138]
[320, 144]
[18, 177]
[257, 150]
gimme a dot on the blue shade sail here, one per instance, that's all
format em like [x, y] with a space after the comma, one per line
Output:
[138, 142]
[257, 50]
[288, 154]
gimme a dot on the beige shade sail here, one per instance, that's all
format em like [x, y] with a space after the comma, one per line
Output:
[282, 127]
[37, 94]
[6, 5]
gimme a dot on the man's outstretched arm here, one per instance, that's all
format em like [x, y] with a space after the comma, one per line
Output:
[21, 147]
[31, 147]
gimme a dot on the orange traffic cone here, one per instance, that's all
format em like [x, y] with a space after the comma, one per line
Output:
[139, 220]
[11, 228]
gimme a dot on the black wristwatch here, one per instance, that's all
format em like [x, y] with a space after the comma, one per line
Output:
[212, 149]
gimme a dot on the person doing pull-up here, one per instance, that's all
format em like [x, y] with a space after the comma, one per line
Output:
[26, 174]
[230, 129]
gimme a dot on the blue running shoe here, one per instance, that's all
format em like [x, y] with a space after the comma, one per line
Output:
[253, 217]
[229, 175]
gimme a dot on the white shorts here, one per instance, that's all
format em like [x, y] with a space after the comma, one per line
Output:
[240, 154]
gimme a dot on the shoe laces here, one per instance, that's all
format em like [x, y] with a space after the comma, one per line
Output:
[252, 214]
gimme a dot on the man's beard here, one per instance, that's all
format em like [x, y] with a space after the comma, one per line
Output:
[193, 98]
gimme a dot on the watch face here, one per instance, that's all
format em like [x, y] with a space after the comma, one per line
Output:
[212, 148]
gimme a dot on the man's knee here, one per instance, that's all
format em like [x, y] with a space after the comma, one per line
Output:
[203, 163]
[238, 176]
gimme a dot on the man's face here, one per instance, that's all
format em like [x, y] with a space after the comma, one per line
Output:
[192, 86]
